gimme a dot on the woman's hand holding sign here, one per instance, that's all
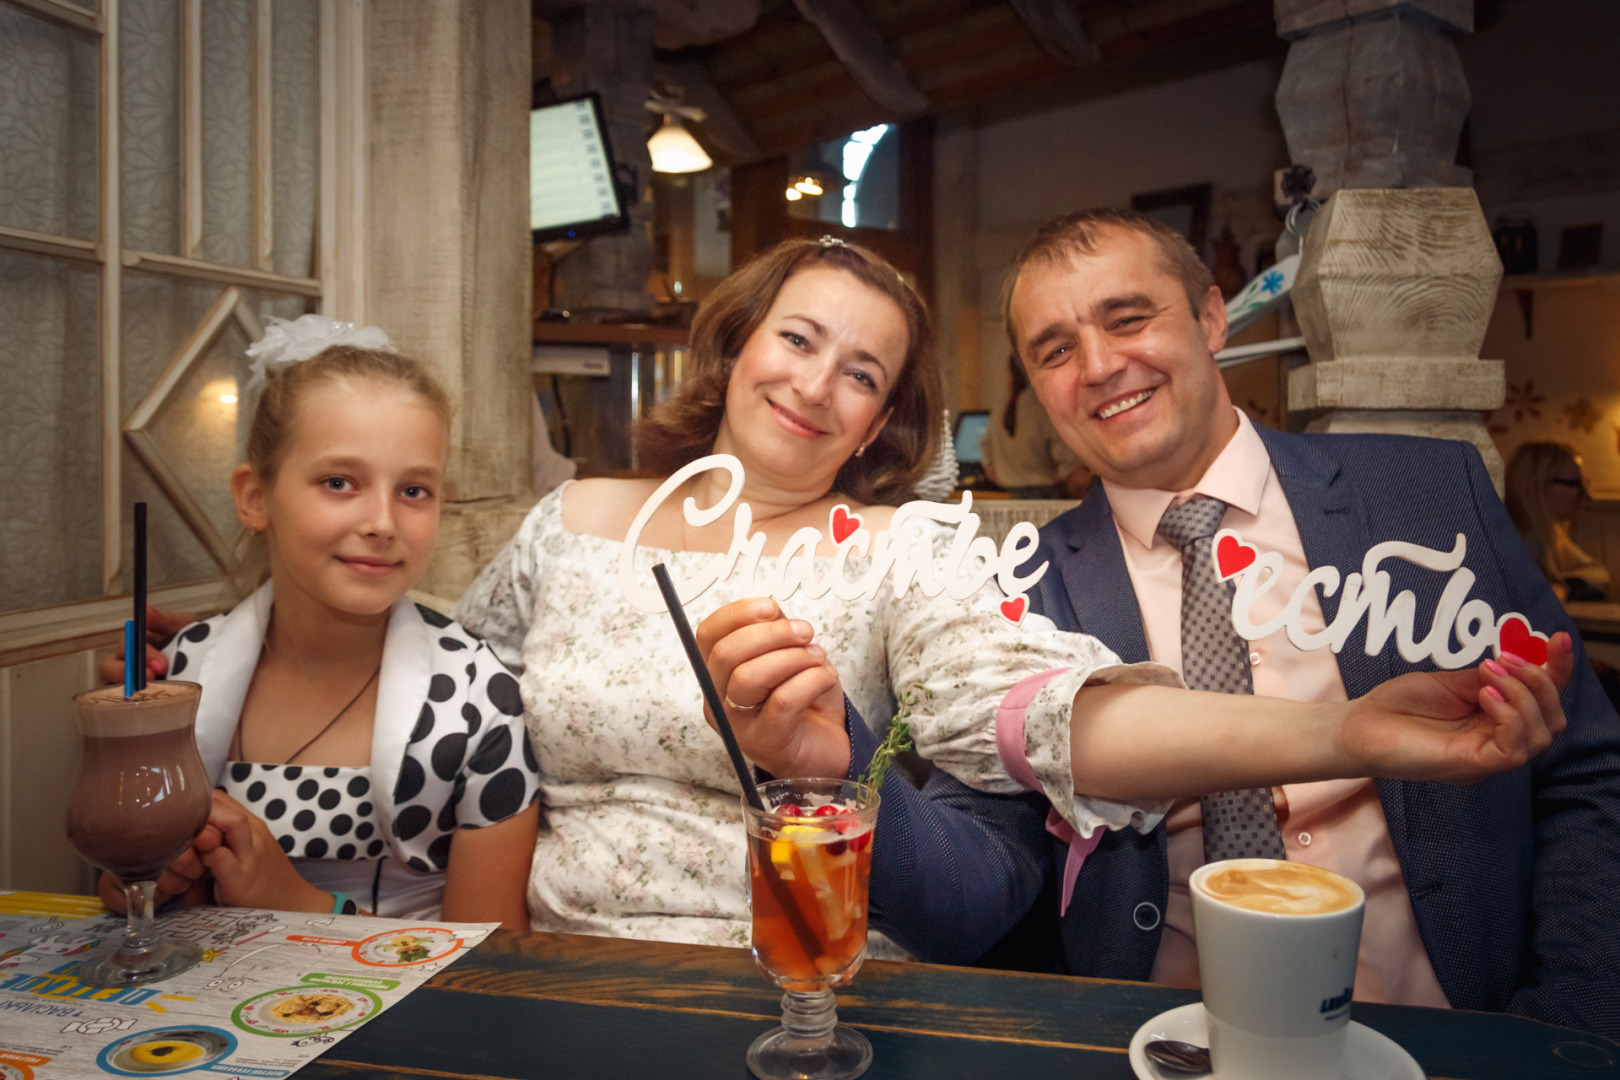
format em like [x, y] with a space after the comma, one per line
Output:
[1461, 726]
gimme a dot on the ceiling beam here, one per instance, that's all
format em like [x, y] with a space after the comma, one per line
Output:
[1056, 26]
[858, 45]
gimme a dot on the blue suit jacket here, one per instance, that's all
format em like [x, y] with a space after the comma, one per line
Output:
[1515, 880]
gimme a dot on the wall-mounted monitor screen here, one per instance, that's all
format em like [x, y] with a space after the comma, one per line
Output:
[571, 183]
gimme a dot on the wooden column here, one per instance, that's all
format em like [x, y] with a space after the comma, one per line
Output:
[1398, 274]
[606, 46]
[449, 255]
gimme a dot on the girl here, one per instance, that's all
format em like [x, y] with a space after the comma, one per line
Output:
[369, 753]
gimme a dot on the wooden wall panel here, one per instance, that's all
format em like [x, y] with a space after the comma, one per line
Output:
[39, 750]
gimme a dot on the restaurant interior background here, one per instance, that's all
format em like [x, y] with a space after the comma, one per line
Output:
[369, 159]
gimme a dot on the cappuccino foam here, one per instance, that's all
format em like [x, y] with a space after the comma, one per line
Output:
[1280, 888]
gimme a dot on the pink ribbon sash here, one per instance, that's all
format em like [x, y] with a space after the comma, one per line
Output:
[1010, 745]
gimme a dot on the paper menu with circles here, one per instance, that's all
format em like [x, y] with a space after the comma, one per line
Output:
[275, 990]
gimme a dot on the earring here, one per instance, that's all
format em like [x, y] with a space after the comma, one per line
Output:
[860, 450]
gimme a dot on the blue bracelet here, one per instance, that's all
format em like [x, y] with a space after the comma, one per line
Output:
[342, 905]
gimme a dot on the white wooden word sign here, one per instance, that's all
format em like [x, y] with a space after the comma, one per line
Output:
[900, 555]
[1366, 595]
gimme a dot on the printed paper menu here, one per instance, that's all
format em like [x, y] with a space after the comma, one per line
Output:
[274, 991]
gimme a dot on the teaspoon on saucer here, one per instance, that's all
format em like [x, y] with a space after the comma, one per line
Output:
[1178, 1057]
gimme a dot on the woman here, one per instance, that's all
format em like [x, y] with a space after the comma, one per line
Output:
[812, 367]
[1546, 492]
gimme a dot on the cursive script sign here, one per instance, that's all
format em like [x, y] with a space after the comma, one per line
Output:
[1366, 595]
[903, 557]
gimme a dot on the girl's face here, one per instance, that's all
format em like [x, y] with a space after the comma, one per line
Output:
[353, 511]
[811, 383]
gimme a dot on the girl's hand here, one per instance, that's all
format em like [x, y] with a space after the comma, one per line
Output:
[160, 627]
[1461, 726]
[249, 867]
[789, 718]
[185, 877]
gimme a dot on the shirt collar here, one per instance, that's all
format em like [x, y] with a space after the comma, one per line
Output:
[1237, 477]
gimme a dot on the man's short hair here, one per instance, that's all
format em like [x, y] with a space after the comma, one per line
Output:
[1081, 233]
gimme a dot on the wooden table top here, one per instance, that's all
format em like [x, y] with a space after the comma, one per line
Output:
[559, 1005]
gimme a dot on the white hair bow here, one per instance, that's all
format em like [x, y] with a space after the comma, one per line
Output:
[289, 341]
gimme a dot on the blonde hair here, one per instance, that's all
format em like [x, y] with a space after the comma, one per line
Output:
[1528, 475]
[277, 410]
[683, 429]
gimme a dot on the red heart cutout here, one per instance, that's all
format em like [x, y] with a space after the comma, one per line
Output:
[1232, 556]
[1013, 609]
[1516, 637]
[844, 524]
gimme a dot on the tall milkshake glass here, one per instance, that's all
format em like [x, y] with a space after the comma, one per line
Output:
[140, 796]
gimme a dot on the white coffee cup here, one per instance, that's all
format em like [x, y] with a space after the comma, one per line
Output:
[1277, 982]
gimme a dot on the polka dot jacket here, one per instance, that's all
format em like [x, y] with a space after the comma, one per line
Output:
[448, 744]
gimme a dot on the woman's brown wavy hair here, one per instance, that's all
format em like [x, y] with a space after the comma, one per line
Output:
[683, 429]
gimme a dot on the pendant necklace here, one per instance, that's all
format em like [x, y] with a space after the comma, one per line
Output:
[335, 719]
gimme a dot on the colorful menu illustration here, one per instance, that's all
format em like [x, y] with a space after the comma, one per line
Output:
[275, 989]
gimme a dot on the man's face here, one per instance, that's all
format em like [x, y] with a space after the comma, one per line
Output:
[1122, 366]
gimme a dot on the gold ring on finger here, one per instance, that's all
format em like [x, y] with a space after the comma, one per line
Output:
[740, 708]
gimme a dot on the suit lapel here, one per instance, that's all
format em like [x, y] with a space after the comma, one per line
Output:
[1091, 565]
[1332, 523]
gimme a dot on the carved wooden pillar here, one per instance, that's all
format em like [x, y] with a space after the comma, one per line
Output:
[606, 46]
[1398, 274]
[448, 253]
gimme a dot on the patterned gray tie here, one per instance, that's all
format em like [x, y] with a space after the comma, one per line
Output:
[1237, 824]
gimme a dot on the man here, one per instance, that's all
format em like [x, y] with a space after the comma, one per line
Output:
[1497, 896]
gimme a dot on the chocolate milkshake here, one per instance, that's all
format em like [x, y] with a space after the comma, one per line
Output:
[141, 793]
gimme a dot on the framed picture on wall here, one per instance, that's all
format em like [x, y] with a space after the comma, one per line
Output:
[1184, 209]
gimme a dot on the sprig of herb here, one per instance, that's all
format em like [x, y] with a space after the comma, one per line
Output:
[898, 737]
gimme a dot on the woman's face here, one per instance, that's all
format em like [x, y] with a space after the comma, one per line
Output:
[1566, 490]
[811, 384]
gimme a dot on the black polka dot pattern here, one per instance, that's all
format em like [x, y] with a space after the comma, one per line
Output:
[433, 618]
[504, 695]
[411, 821]
[313, 813]
[467, 762]
[448, 755]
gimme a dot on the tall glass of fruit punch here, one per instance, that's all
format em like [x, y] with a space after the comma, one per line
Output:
[809, 859]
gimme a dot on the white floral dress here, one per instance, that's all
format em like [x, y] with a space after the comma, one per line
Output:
[643, 836]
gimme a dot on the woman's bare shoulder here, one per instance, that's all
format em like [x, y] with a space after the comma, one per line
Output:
[604, 506]
[877, 517]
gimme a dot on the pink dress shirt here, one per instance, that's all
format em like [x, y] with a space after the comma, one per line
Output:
[1337, 824]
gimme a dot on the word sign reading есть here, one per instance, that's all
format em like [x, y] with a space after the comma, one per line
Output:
[1366, 593]
[969, 563]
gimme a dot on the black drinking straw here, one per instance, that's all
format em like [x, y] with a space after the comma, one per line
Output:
[745, 776]
[139, 660]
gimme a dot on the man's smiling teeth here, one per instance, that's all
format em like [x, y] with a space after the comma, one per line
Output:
[1125, 403]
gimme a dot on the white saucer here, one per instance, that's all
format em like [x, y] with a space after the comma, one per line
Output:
[1368, 1055]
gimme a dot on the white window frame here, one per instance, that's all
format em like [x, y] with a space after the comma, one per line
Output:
[340, 289]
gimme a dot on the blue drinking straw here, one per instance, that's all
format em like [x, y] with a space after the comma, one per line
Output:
[129, 658]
